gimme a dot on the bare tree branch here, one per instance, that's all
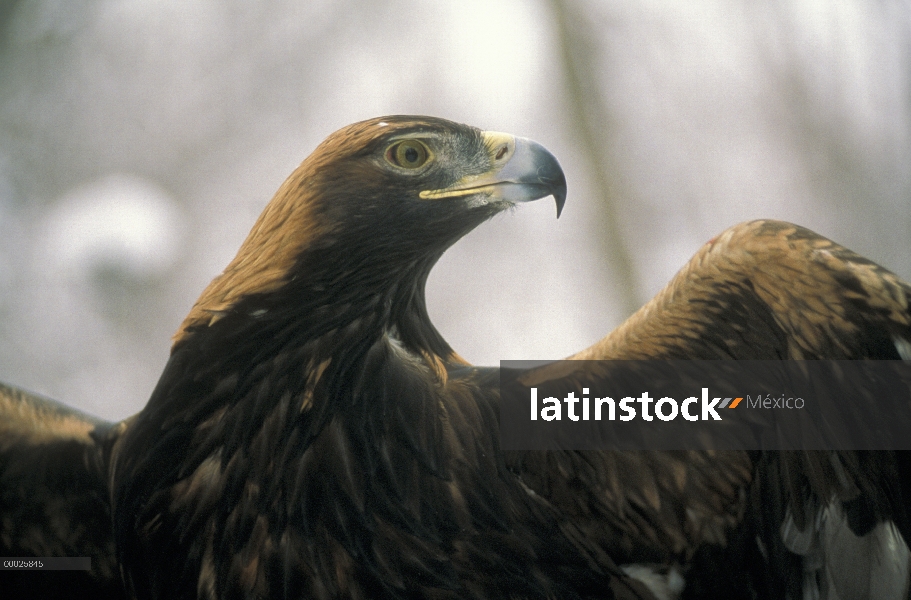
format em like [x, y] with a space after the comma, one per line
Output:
[591, 124]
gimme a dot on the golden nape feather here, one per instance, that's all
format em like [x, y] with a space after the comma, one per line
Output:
[313, 434]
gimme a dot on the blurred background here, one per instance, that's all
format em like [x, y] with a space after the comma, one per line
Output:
[139, 140]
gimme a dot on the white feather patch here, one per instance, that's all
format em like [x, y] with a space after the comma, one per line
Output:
[838, 564]
[664, 586]
[903, 346]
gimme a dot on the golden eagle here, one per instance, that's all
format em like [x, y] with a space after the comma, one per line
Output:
[314, 436]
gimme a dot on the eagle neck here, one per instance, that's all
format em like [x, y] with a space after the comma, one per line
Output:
[376, 299]
[318, 330]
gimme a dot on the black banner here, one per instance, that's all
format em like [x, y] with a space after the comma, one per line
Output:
[706, 405]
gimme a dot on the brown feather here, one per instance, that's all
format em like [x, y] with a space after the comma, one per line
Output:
[811, 286]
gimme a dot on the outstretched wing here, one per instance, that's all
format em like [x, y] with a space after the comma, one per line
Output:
[769, 290]
[760, 290]
[54, 499]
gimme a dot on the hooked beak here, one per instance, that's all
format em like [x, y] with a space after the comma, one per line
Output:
[522, 170]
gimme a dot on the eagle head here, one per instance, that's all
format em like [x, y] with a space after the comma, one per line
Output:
[414, 185]
[364, 218]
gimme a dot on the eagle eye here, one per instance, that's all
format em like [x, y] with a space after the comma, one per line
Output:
[408, 154]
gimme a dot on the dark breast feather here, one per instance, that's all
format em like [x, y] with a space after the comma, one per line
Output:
[382, 481]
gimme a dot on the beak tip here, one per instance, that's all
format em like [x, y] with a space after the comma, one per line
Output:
[560, 198]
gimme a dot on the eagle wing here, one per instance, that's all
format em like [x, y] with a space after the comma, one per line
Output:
[769, 290]
[54, 497]
[763, 290]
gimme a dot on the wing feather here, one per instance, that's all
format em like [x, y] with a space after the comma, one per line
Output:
[54, 498]
[768, 290]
